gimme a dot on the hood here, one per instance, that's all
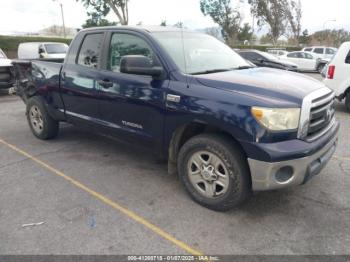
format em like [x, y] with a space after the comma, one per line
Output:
[270, 85]
[5, 62]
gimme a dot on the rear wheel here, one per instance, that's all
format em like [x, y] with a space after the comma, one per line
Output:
[347, 100]
[214, 172]
[320, 68]
[43, 126]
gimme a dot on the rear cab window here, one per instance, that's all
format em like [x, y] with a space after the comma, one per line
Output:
[90, 50]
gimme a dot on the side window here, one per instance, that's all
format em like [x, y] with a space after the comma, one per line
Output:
[308, 56]
[308, 49]
[330, 51]
[293, 55]
[347, 59]
[319, 51]
[126, 44]
[90, 50]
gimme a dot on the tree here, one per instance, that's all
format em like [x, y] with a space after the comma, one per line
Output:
[179, 25]
[304, 38]
[294, 14]
[224, 15]
[330, 37]
[96, 19]
[245, 33]
[103, 7]
[163, 23]
[271, 13]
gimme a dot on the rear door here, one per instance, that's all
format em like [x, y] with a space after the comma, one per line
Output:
[132, 105]
[79, 80]
[309, 61]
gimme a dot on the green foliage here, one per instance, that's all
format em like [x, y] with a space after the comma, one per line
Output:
[96, 19]
[103, 7]
[304, 39]
[10, 43]
[224, 15]
[163, 23]
[245, 33]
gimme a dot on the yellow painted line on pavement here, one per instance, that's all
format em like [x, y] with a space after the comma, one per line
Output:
[109, 202]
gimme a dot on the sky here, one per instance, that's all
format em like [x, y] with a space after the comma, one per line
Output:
[34, 15]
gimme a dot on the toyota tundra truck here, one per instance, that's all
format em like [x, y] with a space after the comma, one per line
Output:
[226, 128]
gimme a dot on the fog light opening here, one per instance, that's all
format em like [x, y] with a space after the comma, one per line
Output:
[284, 174]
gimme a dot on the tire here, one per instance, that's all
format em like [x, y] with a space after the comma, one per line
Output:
[224, 158]
[347, 100]
[320, 68]
[43, 126]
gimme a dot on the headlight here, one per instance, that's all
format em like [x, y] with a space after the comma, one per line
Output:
[277, 119]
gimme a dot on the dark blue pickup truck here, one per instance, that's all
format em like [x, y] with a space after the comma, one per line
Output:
[227, 128]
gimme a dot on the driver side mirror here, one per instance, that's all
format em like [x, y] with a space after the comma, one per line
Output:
[139, 65]
[41, 50]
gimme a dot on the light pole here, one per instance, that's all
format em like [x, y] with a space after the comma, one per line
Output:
[63, 24]
[325, 23]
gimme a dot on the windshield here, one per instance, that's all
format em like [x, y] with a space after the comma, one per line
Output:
[56, 48]
[269, 56]
[199, 53]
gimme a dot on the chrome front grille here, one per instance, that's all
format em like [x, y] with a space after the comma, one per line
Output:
[321, 115]
[318, 115]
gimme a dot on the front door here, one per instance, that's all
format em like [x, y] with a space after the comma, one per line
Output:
[132, 105]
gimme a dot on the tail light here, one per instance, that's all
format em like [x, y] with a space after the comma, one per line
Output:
[331, 71]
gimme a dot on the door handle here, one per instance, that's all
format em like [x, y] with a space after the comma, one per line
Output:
[105, 83]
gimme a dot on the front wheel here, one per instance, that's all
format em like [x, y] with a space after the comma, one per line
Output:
[43, 126]
[214, 172]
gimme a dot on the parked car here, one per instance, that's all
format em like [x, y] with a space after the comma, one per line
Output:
[263, 59]
[321, 51]
[6, 79]
[277, 51]
[48, 50]
[304, 60]
[338, 74]
[226, 127]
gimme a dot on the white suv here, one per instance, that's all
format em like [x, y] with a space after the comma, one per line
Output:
[321, 51]
[338, 74]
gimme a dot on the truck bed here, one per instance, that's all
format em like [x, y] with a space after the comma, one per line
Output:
[33, 75]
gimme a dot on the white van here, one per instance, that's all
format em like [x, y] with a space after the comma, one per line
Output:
[36, 50]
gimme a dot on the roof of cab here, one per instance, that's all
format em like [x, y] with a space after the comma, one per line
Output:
[149, 29]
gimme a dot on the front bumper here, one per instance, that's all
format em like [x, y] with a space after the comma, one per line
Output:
[276, 175]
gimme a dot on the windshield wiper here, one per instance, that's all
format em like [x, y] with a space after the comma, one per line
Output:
[244, 67]
[211, 71]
